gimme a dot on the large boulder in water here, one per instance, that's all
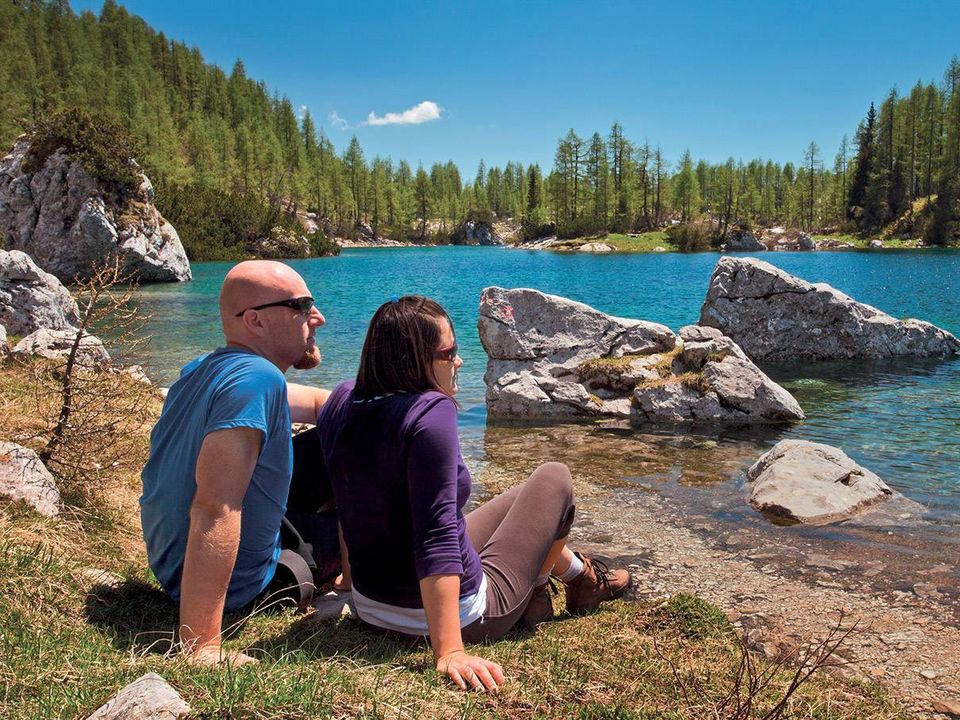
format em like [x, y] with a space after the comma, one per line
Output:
[61, 218]
[811, 483]
[775, 316]
[31, 299]
[550, 357]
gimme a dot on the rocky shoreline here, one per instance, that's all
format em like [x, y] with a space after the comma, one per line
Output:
[781, 586]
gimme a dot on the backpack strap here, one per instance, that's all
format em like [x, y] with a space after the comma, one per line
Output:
[296, 556]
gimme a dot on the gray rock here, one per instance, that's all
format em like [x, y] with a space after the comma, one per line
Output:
[744, 241]
[23, 476]
[536, 343]
[773, 315]
[741, 387]
[149, 697]
[876, 244]
[4, 348]
[596, 247]
[729, 390]
[480, 233]
[30, 298]
[56, 345]
[811, 483]
[58, 216]
[550, 357]
[806, 242]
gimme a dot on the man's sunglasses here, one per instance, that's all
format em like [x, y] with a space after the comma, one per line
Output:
[300, 304]
[448, 354]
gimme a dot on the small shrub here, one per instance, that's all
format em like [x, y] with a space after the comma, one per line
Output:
[100, 143]
[321, 245]
[694, 236]
[694, 617]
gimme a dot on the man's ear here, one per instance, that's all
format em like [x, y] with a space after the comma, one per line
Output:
[253, 323]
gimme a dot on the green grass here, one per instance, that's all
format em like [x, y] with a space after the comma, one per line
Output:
[646, 242]
[862, 242]
[66, 647]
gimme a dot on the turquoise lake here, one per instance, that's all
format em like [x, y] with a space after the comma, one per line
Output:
[901, 419]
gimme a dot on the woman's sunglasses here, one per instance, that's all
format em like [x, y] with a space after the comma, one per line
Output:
[449, 354]
[300, 304]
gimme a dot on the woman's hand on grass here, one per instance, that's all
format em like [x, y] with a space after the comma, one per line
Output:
[470, 671]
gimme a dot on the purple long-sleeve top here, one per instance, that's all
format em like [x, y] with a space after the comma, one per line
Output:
[400, 485]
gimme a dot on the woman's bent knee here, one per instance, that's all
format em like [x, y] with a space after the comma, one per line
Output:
[553, 479]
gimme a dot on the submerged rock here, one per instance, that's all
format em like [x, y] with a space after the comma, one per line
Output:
[31, 299]
[550, 357]
[23, 476]
[811, 483]
[58, 215]
[149, 697]
[773, 315]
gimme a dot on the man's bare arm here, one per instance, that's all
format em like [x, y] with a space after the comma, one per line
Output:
[305, 402]
[224, 467]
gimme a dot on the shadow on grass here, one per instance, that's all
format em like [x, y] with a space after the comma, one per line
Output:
[135, 615]
[309, 638]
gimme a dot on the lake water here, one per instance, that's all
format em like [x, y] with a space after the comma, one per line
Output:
[900, 419]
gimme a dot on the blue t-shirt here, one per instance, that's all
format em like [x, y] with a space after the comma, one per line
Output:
[229, 388]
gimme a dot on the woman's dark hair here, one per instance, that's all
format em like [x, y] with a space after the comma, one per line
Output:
[399, 349]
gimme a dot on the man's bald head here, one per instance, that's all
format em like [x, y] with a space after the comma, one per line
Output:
[256, 282]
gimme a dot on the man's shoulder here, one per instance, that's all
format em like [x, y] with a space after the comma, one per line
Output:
[236, 364]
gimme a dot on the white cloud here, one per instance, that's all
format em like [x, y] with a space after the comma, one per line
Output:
[338, 122]
[424, 112]
[302, 111]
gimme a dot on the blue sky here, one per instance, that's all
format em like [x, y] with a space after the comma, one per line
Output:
[507, 79]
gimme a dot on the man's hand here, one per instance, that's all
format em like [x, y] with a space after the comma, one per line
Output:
[470, 671]
[214, 655]
[224, 468]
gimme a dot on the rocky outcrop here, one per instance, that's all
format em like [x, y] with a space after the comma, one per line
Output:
[806, 242]
[4, 348]
[712, 381]
[805, 482]
[30, 298]
[596, 247]
[550, 357]
[480, 233]
[56, 345]
[744, 241]
[24, 477]
[59, 216]
[282, 243]
[149, 697]
[876, 244]
[775, 316]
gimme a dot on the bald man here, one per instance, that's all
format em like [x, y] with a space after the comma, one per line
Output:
[216, 484]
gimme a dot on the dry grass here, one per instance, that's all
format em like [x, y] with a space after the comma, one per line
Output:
[65, 647]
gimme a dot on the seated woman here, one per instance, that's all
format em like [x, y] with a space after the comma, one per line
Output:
[419, 565]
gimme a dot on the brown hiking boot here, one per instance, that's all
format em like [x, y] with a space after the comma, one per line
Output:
[540, 607]
[596, 584]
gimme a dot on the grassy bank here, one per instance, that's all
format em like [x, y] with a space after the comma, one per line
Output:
[645, 242]
[67, 642]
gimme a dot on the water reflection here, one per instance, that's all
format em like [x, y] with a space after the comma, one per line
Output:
[612, 455]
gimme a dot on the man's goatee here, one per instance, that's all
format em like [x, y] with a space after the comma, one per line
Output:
[310, 359]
